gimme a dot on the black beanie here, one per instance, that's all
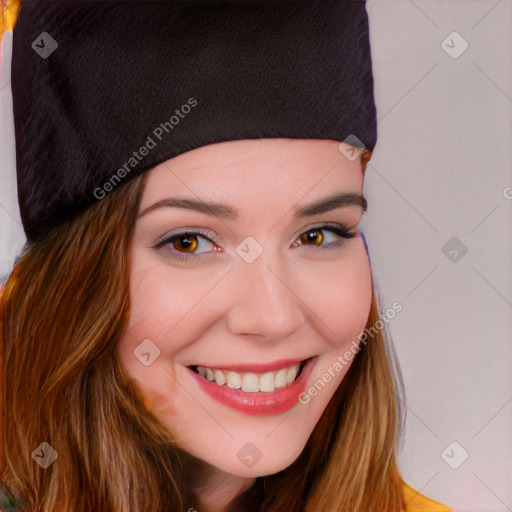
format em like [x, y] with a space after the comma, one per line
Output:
[103, 91]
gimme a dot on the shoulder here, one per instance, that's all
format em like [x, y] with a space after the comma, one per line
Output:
[416, 502]
[6, 500]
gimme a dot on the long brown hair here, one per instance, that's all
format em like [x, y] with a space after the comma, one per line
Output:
[64, 307]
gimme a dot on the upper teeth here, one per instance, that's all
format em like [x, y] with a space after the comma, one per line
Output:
[251, 382]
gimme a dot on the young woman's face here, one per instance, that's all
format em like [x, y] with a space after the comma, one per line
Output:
[258, 285]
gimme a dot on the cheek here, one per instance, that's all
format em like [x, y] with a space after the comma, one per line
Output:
[147, 349]
[341, 307]
[159, 305]
[340, 295]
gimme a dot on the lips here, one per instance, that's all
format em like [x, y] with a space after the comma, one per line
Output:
[288, 381]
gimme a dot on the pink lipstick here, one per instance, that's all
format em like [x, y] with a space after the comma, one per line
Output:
[260, 402]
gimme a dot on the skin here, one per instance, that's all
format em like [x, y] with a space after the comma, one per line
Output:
[293, 301]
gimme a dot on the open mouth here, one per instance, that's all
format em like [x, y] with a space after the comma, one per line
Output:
[253, 382]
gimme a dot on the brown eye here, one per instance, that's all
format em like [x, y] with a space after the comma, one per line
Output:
[316, 237]
[187, 245]
[185, 242]
[313, 235]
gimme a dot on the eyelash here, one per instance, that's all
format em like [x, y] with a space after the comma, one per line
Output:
[341, 231]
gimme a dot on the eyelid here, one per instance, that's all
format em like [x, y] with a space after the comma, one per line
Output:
[323, 225]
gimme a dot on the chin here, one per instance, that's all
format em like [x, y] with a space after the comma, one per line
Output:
[263, 467]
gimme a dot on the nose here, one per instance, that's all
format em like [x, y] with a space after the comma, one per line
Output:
[265, 302]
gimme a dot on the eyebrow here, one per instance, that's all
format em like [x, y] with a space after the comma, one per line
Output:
[225, 211]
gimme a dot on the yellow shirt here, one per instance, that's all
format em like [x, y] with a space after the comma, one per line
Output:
[416, 502]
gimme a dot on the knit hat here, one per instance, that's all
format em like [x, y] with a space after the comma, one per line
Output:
[103, 91]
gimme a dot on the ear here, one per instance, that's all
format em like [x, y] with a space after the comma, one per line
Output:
[365, 158]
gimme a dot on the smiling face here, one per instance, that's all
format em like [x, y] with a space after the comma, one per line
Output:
[256, 287]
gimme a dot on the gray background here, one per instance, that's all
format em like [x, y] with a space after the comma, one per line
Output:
[441, 172]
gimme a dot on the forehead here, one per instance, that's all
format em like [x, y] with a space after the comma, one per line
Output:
[256, 170]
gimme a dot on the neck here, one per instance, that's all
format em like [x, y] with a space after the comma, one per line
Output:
[216, 489]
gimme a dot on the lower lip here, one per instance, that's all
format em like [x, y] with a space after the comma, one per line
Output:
[258, 403]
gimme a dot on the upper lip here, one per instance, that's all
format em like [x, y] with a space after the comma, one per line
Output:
[255, 367]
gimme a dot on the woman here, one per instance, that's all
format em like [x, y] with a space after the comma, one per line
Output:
[192, 325]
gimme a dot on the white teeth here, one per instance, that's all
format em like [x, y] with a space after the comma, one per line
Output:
[251, 382]
[220, 378]
[267, 382]
[291, 373]
[281, 379]
[234, 380]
